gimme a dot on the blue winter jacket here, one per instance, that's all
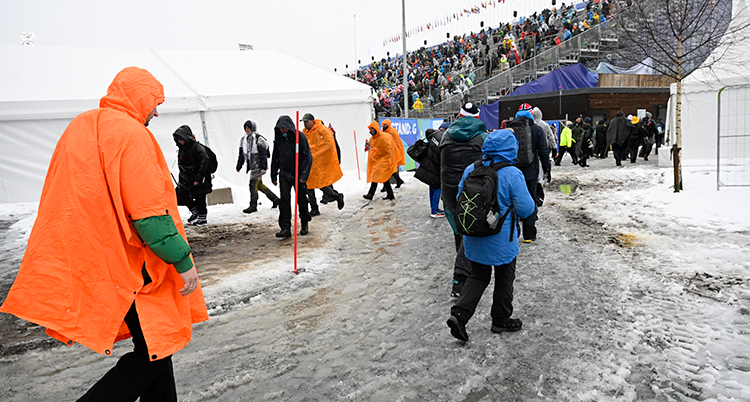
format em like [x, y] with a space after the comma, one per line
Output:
[500, 146]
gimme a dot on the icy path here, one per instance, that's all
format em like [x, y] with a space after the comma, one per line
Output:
[366, 320]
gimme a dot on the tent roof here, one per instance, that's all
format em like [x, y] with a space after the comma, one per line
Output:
[41, 81]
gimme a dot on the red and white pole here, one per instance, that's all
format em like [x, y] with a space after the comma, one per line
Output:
[296, 190]
[356, 154]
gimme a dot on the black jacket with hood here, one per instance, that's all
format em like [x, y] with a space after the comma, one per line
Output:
[429, 165]
[618, 130]
[193, 161]
[282, 160]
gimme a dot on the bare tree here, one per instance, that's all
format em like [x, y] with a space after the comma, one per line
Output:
[678, 36]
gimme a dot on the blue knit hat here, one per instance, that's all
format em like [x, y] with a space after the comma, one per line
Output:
[445, 125]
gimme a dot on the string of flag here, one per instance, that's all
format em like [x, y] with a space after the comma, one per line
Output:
[466, 12]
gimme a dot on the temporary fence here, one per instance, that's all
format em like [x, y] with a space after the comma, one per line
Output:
[733, 137]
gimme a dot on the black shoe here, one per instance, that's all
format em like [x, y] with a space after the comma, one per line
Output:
[557, 164]
[382, 190]
[512, 325]
[340, 201]
[303, 230]
[315, 212]
[367, 196]
[399, 183]
[285, 233]
[645, 159]
[458, 330]
[389, 197]
[250, 210]
[275, 203]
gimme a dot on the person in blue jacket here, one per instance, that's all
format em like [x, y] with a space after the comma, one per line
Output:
[499, 250]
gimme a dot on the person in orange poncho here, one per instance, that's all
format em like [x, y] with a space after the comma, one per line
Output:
[381, 161]
[400, 153]
[326, 169]
[108, 258]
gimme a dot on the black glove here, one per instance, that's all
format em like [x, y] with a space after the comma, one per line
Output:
[548, 175]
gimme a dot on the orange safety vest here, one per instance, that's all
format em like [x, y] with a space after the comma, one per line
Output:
[325, 168]
[82, 268]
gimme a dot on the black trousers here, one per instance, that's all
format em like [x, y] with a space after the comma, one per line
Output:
[633, 149]
[328, 191]
[134, 375]
[620, 152]
[502, 296]
[529, 224]
[285, 202]
[386, 186]
[192, 202]
[569, 150]
[255, 185]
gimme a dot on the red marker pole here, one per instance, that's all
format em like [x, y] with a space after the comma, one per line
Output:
[356, 154]
[296, 191]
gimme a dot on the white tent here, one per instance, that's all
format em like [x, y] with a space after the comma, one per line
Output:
[214, 92]
[701, 91]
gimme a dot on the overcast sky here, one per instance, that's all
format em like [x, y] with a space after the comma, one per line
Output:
[319, 32]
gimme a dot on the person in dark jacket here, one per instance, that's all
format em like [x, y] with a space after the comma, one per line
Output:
[283, 168]
[428, 171]
[499, 250]
[195, 180]
[254, 151]
[618, 132]
[636, 138]
[602, 149]
[531, 171]
[585, 147]
[649, 129]
[460, 147]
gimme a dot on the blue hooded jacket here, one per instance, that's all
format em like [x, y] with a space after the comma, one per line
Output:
[500, 146]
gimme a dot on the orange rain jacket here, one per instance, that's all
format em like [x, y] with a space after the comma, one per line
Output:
[325, 161]
[400, 153]
[82, 267]
[381, 159]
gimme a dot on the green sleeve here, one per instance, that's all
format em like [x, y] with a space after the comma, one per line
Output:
[162, 237]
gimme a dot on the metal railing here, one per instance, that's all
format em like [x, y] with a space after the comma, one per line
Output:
[585, 45]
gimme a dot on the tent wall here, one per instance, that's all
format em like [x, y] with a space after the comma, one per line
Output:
[225, 129]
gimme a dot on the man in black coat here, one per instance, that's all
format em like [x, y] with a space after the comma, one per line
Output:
[195, 180]
[428, 171]
[618, 132]
[283, 167]
[531, 171]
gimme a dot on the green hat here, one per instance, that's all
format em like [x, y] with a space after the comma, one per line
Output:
[308, 117]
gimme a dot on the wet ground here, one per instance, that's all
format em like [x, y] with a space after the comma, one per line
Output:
[365, 319]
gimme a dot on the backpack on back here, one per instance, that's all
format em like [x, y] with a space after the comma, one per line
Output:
[213, 164]
[477, 209]
[522, 131]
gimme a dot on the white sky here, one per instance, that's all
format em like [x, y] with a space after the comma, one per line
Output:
[319, 32]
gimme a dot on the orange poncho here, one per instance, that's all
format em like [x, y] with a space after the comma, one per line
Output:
[82, 267]
[325, 165]
[400, 153]
[381, 159]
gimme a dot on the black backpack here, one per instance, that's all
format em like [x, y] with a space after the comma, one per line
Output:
[477, 210]
[522, 131]
[416, 151]
[213, 164]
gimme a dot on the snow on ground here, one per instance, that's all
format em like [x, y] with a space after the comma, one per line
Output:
[632, 292]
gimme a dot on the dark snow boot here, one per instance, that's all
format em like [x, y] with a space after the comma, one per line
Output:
[314, 212]
[201, 220]
[275, 203]
[367, 196]
[284, 233]
[193, 215]
[303, 231]
[340, 201]
[510, 325]
[458, 329]
[250, 210]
